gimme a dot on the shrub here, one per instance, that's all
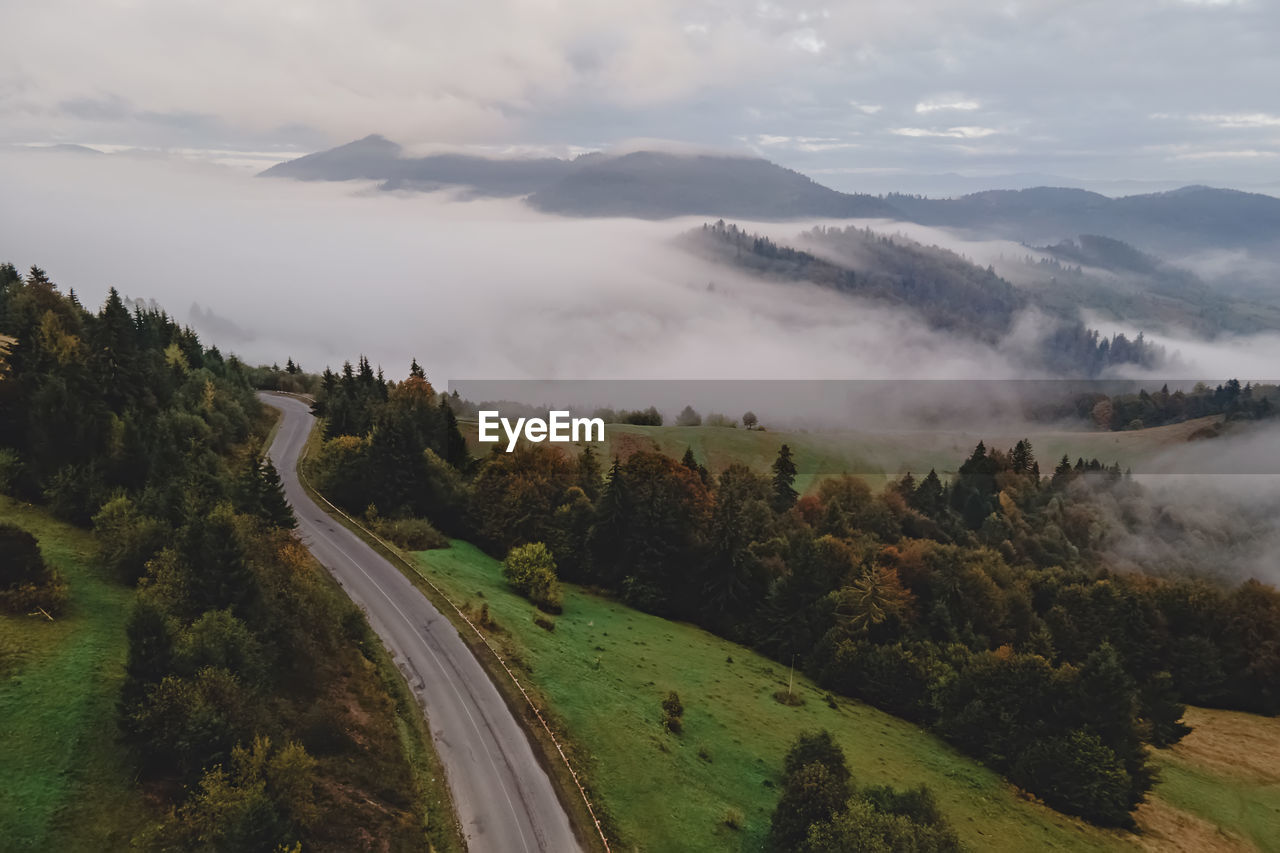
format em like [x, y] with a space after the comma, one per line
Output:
[733, 818]
[673, 713]
[9, 466]
[411, 534]
[1079, 775]
[531, 571]
[20, 559]
[26, 582]
[127, 539]
[544, 622]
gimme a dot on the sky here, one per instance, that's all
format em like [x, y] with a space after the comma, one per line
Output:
[860, 95]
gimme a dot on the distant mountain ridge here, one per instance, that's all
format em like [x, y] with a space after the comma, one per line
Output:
[660, 185]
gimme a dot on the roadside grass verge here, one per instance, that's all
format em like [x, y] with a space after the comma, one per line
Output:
[66, 780]
[545, 749]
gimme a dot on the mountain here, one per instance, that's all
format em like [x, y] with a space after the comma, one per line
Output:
[1117, 281]
[645, 184]
[376, 158]
[940, 287]
[659, 185]
[1178, 221]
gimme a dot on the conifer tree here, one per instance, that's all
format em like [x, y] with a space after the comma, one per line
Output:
[589, 473]
[784, 478]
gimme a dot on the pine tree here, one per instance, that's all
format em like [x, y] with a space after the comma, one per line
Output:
[589, 473]
[1063, 472]
[784, 478]
[273, 505]
[455, 446]
[928, 497]
[609, 537]
[150, 656]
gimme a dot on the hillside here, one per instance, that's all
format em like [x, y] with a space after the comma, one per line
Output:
[658, 185]
[878, 456]
[604, 668]
[1127, 285]
[947, 291]
[66, 787]
[376, 158]
[1180, 221]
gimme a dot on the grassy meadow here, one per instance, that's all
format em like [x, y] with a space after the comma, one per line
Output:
[65, 781]
[877, 455]
[605, 668]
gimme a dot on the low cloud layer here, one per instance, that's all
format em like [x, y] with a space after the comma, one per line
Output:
[481, 289]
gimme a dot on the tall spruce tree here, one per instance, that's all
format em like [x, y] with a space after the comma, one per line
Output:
[784, 478]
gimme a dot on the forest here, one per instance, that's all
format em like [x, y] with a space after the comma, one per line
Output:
[982, 607]
[253, 710]
[945, 289]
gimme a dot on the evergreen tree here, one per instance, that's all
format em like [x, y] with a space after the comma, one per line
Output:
[928, 497]
[454, 446]
[150, 656]
[274, 507]
[589, 473]
[784, 478]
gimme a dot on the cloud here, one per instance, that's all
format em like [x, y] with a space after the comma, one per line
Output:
[1078, 83]
[483, 289]
[935, 105]
[1227, 120]
[948, 133]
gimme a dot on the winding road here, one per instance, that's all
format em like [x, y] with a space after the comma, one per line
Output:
[504, 799]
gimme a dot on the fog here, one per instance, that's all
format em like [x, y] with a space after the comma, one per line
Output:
[481, 289]
[1218, 521]
[485, 289]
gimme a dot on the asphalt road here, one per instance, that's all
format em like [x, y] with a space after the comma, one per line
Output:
[503, 797]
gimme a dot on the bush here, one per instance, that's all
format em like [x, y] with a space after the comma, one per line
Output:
[1079, 775]
[26, 582]
[544, 622]
[9, 467]
[411, 534]
[127, 539]
[531, 571]
[20, 558]
[673, 713]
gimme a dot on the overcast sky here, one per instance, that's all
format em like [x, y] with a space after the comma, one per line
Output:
[1159, 90]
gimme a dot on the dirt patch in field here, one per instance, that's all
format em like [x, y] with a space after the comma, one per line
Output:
[1165, 829]
[1232, 743]
[626, 444]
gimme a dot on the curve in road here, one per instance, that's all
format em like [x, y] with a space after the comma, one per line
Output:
[504, 799]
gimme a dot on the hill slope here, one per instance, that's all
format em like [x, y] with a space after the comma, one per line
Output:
[658, 185]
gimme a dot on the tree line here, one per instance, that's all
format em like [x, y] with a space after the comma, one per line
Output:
[981, 606]
[250, 705]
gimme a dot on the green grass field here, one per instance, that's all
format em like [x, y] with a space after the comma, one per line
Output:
[1226, 774]
[64, 778]
[877, 455]
[605, 669]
